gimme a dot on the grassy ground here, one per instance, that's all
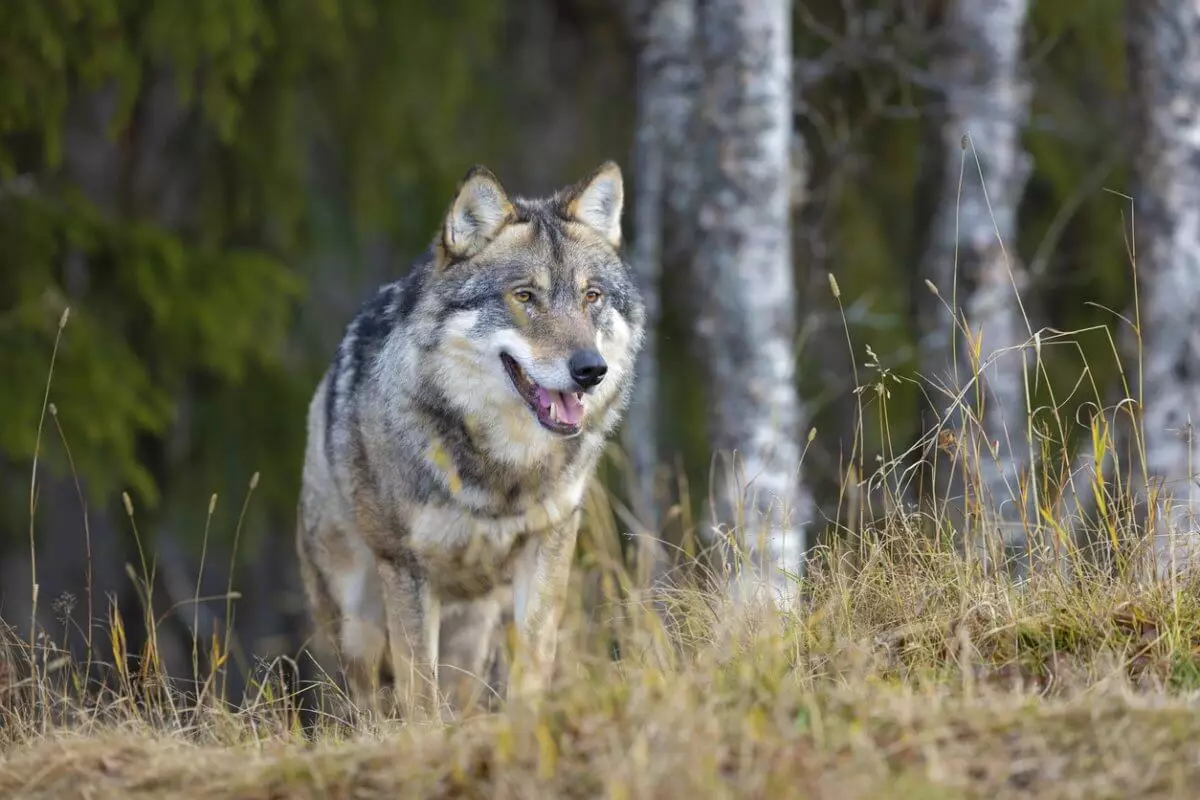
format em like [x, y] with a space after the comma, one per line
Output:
[911, 675]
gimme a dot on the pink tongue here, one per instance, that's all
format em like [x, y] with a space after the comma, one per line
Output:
[570, 409]
[567, 408]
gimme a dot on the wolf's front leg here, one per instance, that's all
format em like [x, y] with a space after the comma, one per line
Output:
[413, 613]
[539, 594]
[469, 641]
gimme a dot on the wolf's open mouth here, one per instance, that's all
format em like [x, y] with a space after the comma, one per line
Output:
[560, 412]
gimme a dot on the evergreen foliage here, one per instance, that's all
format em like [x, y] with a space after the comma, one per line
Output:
[234, 140]
[193, 179]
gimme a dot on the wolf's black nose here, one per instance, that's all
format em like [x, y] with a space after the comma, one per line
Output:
[587, 368]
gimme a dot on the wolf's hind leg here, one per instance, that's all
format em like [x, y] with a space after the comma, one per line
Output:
[339, 631]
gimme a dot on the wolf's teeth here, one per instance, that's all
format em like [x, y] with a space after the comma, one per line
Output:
[553, 411]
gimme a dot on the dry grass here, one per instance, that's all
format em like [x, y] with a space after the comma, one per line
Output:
[912, 676]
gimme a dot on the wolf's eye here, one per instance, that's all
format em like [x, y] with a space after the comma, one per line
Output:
[592, 295]
[523, 296]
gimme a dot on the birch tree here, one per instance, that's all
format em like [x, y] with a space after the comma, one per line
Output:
[742, 274]
[1165, 81]
[666, 79]
[979, 391]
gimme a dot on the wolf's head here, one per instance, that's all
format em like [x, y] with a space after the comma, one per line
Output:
[540, 314]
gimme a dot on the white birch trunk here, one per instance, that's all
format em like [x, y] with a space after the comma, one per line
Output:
[743, 277]
[1165, 81]
[666, 78]
[971, 260]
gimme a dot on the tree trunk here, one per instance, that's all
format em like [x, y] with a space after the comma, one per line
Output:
[742, 274]
[971, 261]
[1165, 81]
[666, 77]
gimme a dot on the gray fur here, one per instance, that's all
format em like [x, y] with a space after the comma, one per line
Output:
[428, 481]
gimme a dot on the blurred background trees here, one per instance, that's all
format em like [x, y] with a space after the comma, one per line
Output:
[213, 188]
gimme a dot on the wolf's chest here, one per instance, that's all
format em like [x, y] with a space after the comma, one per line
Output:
[467, 552]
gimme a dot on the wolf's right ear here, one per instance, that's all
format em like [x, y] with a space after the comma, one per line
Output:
[480, 209]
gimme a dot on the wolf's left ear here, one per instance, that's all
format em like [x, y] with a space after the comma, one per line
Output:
[480, 209]
[597, 202]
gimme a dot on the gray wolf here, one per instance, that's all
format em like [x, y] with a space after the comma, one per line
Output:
[452, 438]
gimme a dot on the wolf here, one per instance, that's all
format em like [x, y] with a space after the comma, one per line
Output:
[452, 438]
